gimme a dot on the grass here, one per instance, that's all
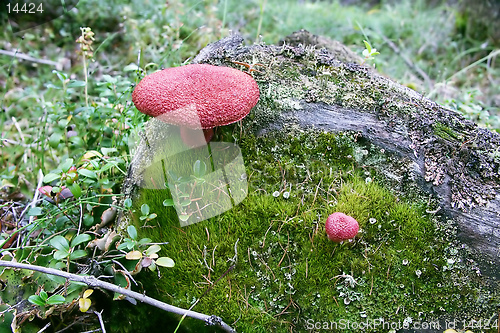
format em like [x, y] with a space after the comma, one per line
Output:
[79, 114]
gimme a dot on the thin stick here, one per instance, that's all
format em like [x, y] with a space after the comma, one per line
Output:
[93, 282]
[306, 268]
[317, 189]
[408, 62]
[44, 328]
[29, 58]
[249, 259]
[99, 315]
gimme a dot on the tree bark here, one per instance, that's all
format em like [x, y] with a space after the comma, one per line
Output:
[307, 82]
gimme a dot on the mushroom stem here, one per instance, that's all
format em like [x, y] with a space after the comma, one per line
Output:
[192, 137]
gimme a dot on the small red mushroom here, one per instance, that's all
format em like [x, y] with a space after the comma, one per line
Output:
[341, 227]
[197, 96]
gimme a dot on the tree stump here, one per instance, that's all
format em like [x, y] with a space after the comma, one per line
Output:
[313, 82]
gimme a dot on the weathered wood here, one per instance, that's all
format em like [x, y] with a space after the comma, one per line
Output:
[306, 86]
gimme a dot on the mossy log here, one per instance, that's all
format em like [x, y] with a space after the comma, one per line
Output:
[314, 82]
[328, 134]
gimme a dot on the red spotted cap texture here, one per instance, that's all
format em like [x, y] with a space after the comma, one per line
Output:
[197, 96]
[341, 227]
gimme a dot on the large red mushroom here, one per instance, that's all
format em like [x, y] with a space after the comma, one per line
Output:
[197, 96]
[340, 227]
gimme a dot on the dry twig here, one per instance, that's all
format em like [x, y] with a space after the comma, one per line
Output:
[96, 283]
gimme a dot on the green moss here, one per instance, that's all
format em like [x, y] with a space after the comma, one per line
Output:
[267, 264]
[446, 132]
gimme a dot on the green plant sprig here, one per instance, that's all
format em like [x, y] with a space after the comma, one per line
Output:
[147, 258]
[369, 53]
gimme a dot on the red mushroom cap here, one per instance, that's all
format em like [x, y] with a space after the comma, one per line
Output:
[341, 227]
[197, 96]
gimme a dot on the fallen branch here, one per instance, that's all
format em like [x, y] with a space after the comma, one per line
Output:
[408, 62]
[26, 57]
[96, 283]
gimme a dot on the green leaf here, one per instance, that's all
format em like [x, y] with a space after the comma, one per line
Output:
[59, 255]
[35, 211]
[124, 246]
[106, 93]
[78, 254]
[108, 166]
[168, 202]
[64, 166]
[88, 220]
[185, 202]
[165, 262]
[43, 295]
[172, 175]
[61, 221]
[75, 286]
[184, 218]
[132, 232]
[87, 173]
[199, 168]
[151, 216]
[130, 67]
[50, 85]
[76, 140]
[152, 267]
[76, 190]
[145, 241]
[76, 83]
[57, 265]
[109, 78]
[55, 139]
[55, 299]
[127, 203]
[62, 76]
[368, 46]
[84, 109]
[145, 209]
[106, 151]
[37, 300]
[153, 249]
[82, 238]
[50, 177]
[104, 181]
[60, 243]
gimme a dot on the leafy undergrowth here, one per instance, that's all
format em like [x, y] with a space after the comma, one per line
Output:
[267, 263]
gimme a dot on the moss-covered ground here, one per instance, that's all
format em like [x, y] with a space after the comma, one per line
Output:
[267, 264]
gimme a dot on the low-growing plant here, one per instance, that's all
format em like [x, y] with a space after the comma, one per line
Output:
[43, 300]
[83, 150]
[369, 53]
[143, 251]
